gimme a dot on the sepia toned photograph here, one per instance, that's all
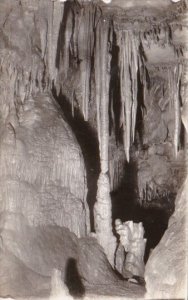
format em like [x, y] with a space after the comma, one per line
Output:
[93, 149]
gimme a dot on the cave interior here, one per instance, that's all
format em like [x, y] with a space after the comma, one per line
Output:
[93, 130]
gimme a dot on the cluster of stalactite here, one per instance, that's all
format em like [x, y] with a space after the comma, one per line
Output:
[78, 44]
[79, 47]
[76, 33]
[128, 64]
[86, 38]
[37, 70]
[50, 16]
[80, 35]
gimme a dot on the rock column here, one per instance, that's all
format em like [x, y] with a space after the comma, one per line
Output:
[103, 209]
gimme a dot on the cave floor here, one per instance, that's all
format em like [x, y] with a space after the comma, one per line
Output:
[126, 290]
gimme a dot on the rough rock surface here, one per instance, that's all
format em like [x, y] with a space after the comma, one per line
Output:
[98, 276]
[90, 254]
[42, 170]
[160, 172]
[39, 257]
[30, 254]
[40, 248]
[165, 273]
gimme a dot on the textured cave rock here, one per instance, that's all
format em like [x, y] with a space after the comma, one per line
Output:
[31, 254]
[159, 174]
[23, 282]
[93, 266]
[166, 268]
[42, 168]
[119, 69]
[98, 275]
[37, 179]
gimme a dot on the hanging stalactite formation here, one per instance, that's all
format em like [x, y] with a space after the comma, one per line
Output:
[79, 37]
[55, 16]
[174, 75]
[128, 64]
[85, 42]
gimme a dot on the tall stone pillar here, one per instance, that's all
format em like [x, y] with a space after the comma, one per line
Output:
[103, 209]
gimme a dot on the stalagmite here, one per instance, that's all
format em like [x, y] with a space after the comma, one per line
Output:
[132, 239]
[102, 209]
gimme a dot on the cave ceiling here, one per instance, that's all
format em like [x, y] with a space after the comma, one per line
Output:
[144, 15]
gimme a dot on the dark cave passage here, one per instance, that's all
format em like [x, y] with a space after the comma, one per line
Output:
[155, 220]
[125, 206]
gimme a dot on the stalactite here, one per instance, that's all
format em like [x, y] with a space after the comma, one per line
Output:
[68, 30]
[174, 75]
[55, 15]
[128, 63]
[85, 50]
[177, 72]
[184, 110]
[42, 27]
[57, 19]
[134, 70]
[98, 83]
[50, 33]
